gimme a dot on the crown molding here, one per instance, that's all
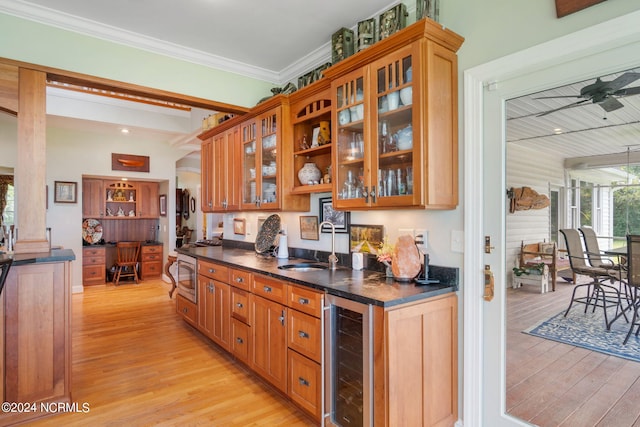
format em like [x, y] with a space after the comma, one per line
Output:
[101, 31]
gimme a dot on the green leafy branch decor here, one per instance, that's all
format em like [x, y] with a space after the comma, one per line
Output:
[537, 269]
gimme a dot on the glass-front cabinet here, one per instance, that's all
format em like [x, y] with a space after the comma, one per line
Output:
[250, 161]
[395, 121]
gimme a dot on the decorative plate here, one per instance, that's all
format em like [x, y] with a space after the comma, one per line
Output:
[91, 231]
[267, 234]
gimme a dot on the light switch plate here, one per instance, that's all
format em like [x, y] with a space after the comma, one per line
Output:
[457, 241]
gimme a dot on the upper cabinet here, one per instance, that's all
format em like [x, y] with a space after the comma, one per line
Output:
[220, 157]
[395, 121]
[119, 199]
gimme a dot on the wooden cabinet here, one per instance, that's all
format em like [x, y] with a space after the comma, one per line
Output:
[187, 309]
[92, 198]
[310, 106]
[148, 203]
[36, 338]
[93, 265]
[395, 122]
[220, 171]
[214, 303]
[269, 339]
[121, 198]
[421, 338]
[150, 261]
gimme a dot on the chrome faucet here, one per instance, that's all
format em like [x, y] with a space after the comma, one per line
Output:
[333, 259]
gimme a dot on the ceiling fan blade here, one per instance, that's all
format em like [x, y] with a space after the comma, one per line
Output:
[611, 104]
[627, 92]
[575, 104]
[621, 81]
[559, 96]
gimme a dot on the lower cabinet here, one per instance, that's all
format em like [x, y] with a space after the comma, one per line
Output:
[269, 339]
[93, 265]
[187, 309]
[150, 261]
[214, 318]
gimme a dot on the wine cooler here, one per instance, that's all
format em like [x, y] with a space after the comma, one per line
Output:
[348, 358]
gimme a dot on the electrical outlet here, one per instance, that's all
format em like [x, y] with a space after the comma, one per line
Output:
[422, 239]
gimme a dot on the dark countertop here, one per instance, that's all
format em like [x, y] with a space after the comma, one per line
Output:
[113, 244]
[55, 255]
[363, 286]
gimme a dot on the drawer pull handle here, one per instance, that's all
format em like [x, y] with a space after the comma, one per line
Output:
[239, 279]
[185, 310]
[212, 270]
[239, 305]
[239, 340]
[303, 301]
[303, 334]
[303, 382]
[267, 288]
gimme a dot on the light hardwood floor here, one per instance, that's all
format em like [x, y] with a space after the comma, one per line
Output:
[553, 384]
[136, 363]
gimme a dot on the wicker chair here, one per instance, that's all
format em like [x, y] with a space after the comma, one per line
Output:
[598, 294]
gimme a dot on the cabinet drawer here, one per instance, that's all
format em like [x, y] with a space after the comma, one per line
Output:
[269, 288]
[154, 256]
[305, 300]
[213, 271]
[151, 269]
[151, 250]
[240, 344]
[187, 310]
[93, 260]
[305, 383]
[305, 335]
[93, 256]
[94, 273]
[240, 301]
[240, 279]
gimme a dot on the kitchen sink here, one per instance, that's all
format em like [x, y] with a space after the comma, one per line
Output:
[303, 266]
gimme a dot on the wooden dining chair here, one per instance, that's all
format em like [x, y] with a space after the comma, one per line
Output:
[5, 265]
[598, 292]
[633, 280]
[127, 261]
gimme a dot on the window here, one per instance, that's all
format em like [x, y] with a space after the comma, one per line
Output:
[9, 209]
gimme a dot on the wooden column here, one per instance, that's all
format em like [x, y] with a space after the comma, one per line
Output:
[31, 165]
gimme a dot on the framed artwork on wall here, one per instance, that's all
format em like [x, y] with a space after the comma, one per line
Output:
[339, 219]
[162, 200]
[366, 238]
[309, 228]
[65, 192]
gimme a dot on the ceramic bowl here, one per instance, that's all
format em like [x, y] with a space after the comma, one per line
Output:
[406, 95]
[393, 100]
[404, 138]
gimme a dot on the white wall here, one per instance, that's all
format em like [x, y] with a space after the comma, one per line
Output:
[72, 154]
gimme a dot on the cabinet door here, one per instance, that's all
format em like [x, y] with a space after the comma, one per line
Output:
[269, 341]
[225, 181]
[148, 205]
[207, 176]
[251, 184]
[396, 148]
[221, 314]
[351, 184]
[206, 305]
[92, 198]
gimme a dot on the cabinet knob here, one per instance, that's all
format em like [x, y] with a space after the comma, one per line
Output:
[303, 334]
[239, 280]
[267, 289]
[239, 305]
[303, 382]
[239, 340]
[303, 301]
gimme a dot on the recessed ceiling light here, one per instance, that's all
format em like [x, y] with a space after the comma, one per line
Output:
[124, 130]
[557, 131]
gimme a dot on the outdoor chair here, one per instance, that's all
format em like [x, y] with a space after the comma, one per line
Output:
[633, 280]
[596, 259]
[127, 261]
[598, 293]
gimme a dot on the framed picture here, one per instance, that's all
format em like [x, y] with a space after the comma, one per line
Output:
[339, 219]
[309, 228]
[365, 238]
[239, 226]
[162, 201]
[65, 192]
[314, 137]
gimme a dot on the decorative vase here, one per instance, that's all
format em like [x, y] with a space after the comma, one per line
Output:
[309, 174]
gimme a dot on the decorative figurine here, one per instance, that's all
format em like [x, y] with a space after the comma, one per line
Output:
[120, 211]
[131, 198]
[132, 213]
[109, 196]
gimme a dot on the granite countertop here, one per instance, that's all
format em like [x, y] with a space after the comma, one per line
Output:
[363, 286]
[54, 255]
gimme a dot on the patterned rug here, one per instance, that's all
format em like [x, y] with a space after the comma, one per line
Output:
[587, 330]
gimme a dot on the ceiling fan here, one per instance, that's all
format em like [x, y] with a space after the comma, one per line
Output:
[603, 93]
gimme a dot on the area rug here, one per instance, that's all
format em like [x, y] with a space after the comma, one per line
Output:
[587, 330]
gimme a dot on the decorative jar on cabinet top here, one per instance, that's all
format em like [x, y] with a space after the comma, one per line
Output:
[309, 174]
